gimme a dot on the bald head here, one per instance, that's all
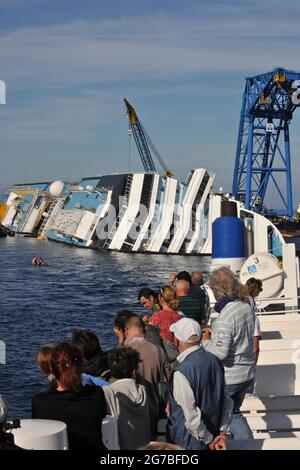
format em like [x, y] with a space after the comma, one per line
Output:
[197, 278]
[135, 327]
[182, 288]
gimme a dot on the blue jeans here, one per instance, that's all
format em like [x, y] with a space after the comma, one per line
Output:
[239, 427]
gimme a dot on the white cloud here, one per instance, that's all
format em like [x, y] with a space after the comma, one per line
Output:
[63, 118]
[148, 56]
[147, 47]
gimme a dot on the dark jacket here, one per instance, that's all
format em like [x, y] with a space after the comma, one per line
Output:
[197, 293]
[82, 410]
[153, 336]
[205, 375]
[96, 365]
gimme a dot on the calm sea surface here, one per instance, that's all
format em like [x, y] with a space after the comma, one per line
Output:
[77, 288]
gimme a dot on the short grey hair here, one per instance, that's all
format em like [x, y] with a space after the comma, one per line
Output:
[195, 340]
[182, 284]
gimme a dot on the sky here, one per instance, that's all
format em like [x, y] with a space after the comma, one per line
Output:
[68, 64]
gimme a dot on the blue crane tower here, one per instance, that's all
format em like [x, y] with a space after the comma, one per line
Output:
[144, 143]
[263, 146]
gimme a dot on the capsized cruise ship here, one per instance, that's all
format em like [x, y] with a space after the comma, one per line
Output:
[131, 212]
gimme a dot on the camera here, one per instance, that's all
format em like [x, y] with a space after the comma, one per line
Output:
[7, 441]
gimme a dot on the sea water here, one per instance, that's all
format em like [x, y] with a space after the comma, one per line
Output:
[77, 288]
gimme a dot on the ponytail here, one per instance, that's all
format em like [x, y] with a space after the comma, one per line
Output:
[66, 364]
[169, 297]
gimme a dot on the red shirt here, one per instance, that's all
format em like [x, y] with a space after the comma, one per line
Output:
[164, 319]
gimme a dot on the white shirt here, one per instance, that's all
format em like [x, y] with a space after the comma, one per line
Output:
[184, 397]
[257, 331]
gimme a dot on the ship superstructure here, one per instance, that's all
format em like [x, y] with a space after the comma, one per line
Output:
[131, 212]
[25, 207]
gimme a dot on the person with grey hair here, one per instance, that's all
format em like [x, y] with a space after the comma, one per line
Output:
[199, 410]
[231, 340]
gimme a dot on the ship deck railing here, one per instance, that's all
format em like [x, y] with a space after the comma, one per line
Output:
[273, 412]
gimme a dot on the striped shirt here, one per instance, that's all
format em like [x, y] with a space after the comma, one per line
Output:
[232, 341]
[192, 308]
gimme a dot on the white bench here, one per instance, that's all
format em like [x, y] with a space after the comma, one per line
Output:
[280, 325]
[276, 434]
[278, 344]
[280, 334]
[261, 436]
[262, 432]
[292, 443]
[282, 356]
[285, 317]
[278, 373]
[274, 422]
[255, 404]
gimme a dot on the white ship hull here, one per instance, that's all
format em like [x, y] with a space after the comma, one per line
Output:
[134, 212]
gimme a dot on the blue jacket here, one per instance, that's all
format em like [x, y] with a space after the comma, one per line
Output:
[91, 380]
[205, 374]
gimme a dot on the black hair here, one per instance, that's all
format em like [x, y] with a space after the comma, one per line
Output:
[184, 276]
[123, 362]
[87, 342]
[146, 292]
[121, 318]
[254, 286]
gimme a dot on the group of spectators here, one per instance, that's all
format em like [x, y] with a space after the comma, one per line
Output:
[169, 364]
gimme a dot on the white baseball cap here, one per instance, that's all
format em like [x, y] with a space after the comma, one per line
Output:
[184, 328]
[3, 409]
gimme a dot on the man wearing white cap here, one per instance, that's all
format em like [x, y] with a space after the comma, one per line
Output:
[199, 412]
